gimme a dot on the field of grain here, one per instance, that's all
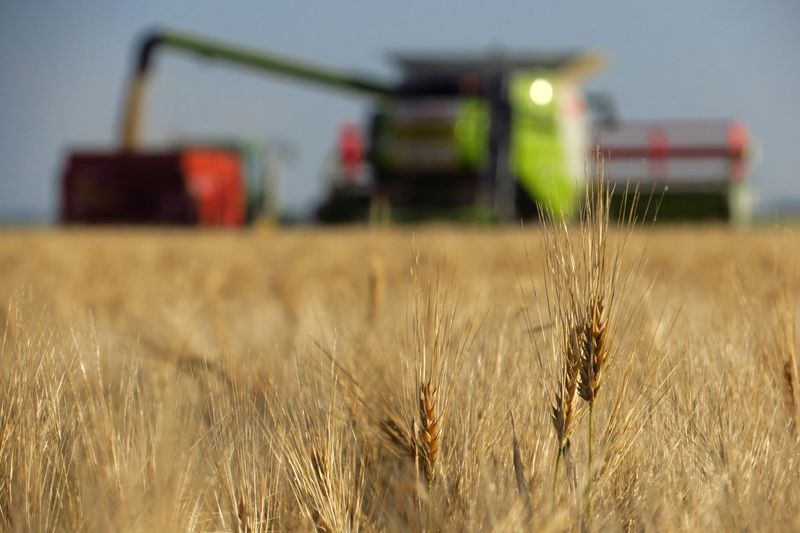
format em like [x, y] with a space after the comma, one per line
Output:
[397, 380]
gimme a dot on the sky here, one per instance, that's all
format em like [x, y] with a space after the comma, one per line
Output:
[63, 66]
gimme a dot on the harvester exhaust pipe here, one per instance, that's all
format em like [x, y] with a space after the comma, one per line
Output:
[133, 110]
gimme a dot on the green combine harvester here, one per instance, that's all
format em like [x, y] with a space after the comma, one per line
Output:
[492, 137]
[482, 137]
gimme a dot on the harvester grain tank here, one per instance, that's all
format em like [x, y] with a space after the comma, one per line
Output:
[491, 136]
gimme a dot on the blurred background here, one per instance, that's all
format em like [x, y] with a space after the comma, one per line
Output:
[64, 67]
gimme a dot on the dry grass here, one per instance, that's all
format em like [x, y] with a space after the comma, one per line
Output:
[344, 380]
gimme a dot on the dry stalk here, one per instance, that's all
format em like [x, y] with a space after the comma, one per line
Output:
[562, 295]
[599, 291]
[397, 437]
[372, 402]
[437, 340]
[375, 282]
[582, 284]
[523, 488]
[325, 460]
[599, 283]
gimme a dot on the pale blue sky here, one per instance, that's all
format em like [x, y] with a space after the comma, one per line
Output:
[63, 66]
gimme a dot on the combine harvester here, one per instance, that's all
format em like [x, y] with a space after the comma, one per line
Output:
[490, 137]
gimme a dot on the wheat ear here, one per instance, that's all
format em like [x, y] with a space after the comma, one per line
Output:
[595, 351]
[430, 430]
[564, 408]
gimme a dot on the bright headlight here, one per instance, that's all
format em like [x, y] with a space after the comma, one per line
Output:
[541, 91]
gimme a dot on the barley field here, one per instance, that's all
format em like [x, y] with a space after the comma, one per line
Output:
[575, 378]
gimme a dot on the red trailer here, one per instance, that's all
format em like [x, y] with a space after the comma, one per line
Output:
[191, 186]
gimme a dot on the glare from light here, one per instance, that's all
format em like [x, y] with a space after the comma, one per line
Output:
[541, 91]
